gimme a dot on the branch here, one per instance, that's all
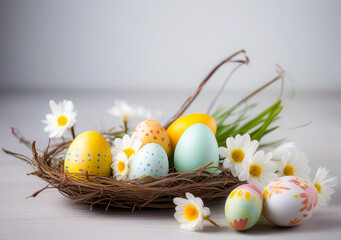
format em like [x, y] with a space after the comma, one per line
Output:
[202, 84]
[17, 134]
[222, 88]
[279, 76]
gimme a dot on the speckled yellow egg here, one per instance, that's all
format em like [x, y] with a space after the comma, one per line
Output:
[90, 152]
[150, 131]
[179, 126]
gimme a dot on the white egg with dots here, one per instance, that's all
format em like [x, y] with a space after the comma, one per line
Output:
[150, 160]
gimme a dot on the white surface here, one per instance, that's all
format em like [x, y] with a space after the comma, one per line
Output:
[154, 43]
[52, 216]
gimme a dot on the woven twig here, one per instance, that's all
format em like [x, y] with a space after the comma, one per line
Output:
[143, 192]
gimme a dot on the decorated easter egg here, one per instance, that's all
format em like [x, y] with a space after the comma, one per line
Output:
[150, 131]
[89, 151]
[196, 147]
[243, 207]
[289, 201]
[179, 126]
[150, 160]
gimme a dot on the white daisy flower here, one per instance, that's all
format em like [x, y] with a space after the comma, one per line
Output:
[294, 163]
[238, 152]
[124, 111]
[147, 114]
[62, 118]
[324, 184]
[126, 145]
[282, 149]
[191, 212]
[121, 166]
[260, 170]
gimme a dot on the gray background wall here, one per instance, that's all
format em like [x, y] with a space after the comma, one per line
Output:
[84, 44]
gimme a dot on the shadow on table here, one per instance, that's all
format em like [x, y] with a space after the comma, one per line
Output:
[323, 220]
[122, 212]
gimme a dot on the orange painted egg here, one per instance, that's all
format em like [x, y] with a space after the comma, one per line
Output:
[90, 152]
[179, 126]
[150, 131]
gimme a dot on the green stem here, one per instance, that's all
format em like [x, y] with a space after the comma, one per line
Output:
[73, 132]
[125, 127]
[211, 221]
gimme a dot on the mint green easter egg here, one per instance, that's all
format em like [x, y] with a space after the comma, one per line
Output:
[243, 207]
[196, 147]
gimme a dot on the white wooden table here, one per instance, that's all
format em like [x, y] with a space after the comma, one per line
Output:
[52, 216]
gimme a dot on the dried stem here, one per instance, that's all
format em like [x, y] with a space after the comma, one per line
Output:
[202, 84]
[279, 76]
[16, 133]
[17, 155]
[222, 88]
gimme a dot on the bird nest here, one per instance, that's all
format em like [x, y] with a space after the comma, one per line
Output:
[146, 191]
[143, 192]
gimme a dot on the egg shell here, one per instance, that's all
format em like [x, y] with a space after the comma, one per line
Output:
[89, 151]
[196, 147]
[150, 131]
[243, 207]
[150, 160]
[289, 201]
[179, 126]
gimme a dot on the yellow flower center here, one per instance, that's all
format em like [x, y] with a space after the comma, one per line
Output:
[121, 166]
[318, 188]
[62, 120]
[255, 170]
[129, 152]
[237, 155]
[289, 170]
[191, 212]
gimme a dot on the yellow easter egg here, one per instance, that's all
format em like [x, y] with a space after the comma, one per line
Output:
[150, 131]
[179, 126]
[89, 151]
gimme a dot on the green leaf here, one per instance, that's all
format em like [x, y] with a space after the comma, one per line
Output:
[261, 132]
[257, 127]
[222, 114]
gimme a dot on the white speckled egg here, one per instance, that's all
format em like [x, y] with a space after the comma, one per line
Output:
[289, 201]
[150, 160]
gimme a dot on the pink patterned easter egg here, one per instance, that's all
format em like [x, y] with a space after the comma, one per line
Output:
[243, 207]
[289, 201]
